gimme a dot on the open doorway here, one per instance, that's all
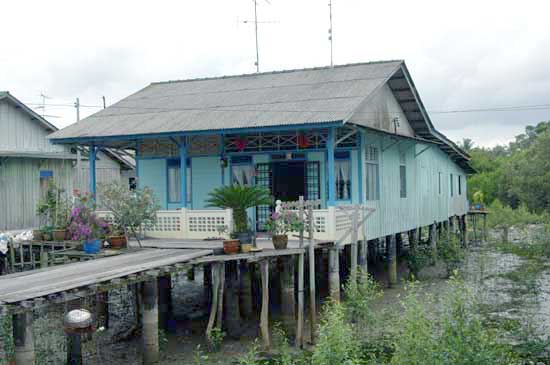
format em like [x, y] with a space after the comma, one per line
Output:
[289, 180]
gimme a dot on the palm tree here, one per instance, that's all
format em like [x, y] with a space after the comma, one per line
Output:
[239, 198]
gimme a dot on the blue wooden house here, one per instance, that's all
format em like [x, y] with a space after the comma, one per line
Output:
[350, 134]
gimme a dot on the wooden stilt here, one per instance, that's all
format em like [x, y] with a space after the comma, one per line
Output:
[399, 244]
[354, 242]
[371, 248]
[264, 316]
[191, 274]
[433, 242]
[207, 281]
[312, 289]
[215, 272]
[392, 260]
[413, 243]
[232, 308]
[334, 273]
[150, 320]
[221, 289]
[464, 231]
[165, 299]
[23, 338]
[485, 233]
[287, 292]
[246, 290]
[363, 256]
[102, 308]
[300, 321]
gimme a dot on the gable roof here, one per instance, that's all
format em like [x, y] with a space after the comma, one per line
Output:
[5, 95]
[115, 155]
[272, 99]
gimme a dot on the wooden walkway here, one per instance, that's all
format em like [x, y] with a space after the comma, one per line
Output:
[56, 279]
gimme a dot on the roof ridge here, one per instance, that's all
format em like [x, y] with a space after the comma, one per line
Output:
[276, 72]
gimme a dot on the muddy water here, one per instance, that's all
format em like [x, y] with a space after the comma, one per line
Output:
[509, 289]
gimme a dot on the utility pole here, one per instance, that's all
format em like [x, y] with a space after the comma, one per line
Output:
[77, 106]
[330, 32]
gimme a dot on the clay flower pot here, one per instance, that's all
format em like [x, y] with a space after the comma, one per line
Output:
[280, 241]
[37, 235]
[231, 247]
[58, 234]
[118, 242]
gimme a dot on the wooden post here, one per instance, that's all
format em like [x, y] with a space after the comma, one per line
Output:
[165, 299]
[264, 316]
[300, 321]
[23, 338]
[392, 260]
[246, 290]
[207, 281]
[464, 231]
[191, 273]
[312, 293]
[399, 244]
[150, 321]
[74, 349]
[232, 308]
[413, 241]
[102, 308]
[216, 309]
[287, 292]
[433, 242]
[354, 239]
[485, 234]
[363, 257]
[334, 272]
[371, 250]
[43, 259]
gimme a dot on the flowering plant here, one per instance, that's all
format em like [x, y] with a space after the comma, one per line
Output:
[284, 221]
[85, 225]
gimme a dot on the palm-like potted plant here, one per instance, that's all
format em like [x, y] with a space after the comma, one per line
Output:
[131, 209]
[239, 198]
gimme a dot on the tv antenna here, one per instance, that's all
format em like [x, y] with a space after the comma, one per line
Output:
[256, 22]
[43, 106]
[330, 31]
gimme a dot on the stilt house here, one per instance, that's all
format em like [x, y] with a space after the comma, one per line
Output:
[349, 134]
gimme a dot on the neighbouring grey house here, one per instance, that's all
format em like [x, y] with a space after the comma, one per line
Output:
[28, 162]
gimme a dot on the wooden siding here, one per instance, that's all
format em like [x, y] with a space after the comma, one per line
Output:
[22, 134]
[423, 204]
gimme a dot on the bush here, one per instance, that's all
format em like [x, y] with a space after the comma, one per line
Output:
[450, 251]
[455, 336]
[360, 298]
[337, 343]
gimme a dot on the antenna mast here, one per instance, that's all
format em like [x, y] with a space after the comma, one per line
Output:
[330, 32]
[256, 32]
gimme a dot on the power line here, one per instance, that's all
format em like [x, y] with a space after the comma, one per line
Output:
[234, 108]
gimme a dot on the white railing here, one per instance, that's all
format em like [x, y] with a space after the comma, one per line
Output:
[183, 223]
[205, 223]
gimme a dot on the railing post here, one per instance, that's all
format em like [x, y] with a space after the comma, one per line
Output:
[92, 157]
[330, 167]
[183, 172]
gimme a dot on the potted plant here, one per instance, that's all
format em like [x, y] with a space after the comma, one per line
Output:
[239, 198]
[53, 212]
[47, 233]
[130, 209]
[117, 237]
[280, 223]
[230, 246]
[85, 226]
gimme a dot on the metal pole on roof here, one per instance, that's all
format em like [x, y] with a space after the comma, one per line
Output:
[77, 106]
[330, 32]
[256, 32]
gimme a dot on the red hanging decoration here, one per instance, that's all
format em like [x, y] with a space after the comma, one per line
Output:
[303, 141]
[240, 143]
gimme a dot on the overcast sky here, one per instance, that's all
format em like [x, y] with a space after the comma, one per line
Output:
[461, 54]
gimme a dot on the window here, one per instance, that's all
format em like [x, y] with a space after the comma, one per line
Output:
[242, 171]
[342, 173]
[46, 179]
[372, 170]
[402, 175]
[174, 181]
[439, 182]
[459, 185]
[451, 184]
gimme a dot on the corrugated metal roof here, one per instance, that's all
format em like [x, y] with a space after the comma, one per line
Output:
[293, 97]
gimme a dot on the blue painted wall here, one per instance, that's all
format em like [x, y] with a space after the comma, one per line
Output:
[152, 173]
[205, 177]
